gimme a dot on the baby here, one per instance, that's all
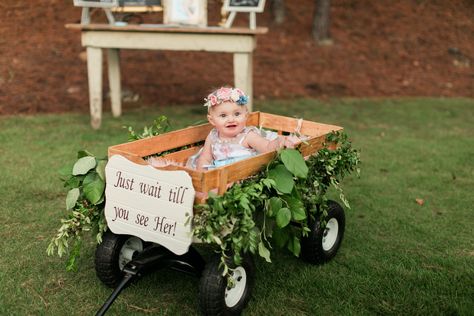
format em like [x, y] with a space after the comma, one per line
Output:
[231, 140]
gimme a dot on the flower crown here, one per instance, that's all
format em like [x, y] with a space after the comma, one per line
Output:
[226, 94]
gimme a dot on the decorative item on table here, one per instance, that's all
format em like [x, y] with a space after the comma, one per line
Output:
[132, 11]
[106, 5]
[185, 12]
[250, 6]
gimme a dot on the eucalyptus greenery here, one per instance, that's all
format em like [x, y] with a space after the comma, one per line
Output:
[277, 204]
[85, 201]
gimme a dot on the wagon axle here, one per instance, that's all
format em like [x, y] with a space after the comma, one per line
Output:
[151, 259]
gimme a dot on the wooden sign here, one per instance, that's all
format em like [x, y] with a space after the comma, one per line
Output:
[151, 204]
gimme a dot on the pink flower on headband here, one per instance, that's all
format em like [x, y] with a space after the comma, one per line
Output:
[223, 93]
[226, 94]
[213, 99]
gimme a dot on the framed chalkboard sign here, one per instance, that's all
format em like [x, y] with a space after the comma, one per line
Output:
[244, 5]
[249, 6]
[96, 3]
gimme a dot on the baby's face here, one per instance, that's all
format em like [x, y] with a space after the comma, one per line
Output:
[228, 118]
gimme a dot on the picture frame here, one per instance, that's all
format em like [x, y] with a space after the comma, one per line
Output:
[185, 12]
[96, 3]
[244, 5]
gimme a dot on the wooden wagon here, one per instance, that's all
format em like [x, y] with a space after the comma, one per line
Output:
[127, 251]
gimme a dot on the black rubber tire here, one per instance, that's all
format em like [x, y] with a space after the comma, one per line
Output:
[312, 249]
[212, 288]
[107, 258]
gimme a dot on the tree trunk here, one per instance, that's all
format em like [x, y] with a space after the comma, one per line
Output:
[321, 22]
[278, 10]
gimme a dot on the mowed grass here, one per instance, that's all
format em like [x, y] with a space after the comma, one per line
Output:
[397, 257]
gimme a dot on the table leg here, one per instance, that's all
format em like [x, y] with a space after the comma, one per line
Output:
[113, 63]
[243, 75]
[94, 71]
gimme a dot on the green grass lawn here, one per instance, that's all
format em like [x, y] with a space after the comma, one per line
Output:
[398, 257]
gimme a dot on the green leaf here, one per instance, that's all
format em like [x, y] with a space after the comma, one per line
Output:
[280, 236]
[83, 153]
[101, 200]
[264, 252]
[283, 178]
[298, 211]
[71, 198]
[275, 205]
[294, 162]
[244, 203]
[93, 187]
[71, 264]
[83, 165]
[283, 217]
[269, 183]
[298, 214]
[294, 246]
[73, 182]
[100, 169]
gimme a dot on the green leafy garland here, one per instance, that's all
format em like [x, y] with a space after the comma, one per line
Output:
[160, 125]
[246, 218]
[85, 200]
[260, 209]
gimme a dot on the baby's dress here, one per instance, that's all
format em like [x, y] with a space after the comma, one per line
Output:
[225, 152]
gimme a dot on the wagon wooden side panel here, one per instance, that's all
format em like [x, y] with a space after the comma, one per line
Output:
[220, 178]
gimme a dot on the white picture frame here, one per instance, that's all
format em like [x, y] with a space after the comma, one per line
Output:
[185, 12]
[244, 5]
[96, 3]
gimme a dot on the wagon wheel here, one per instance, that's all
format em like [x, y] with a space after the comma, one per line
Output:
[215, 297]
[322, 243]
[112, 254]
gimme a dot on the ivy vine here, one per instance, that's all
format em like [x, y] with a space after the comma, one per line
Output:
[277, 204]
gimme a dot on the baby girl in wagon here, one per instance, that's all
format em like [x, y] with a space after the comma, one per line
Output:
[231, 140]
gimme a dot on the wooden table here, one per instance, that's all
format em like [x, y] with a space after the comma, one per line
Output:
[241, 42]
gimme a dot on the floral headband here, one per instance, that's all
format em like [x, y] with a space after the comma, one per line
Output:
[226, 94]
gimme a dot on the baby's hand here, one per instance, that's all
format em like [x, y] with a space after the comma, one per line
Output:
[291, 141]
